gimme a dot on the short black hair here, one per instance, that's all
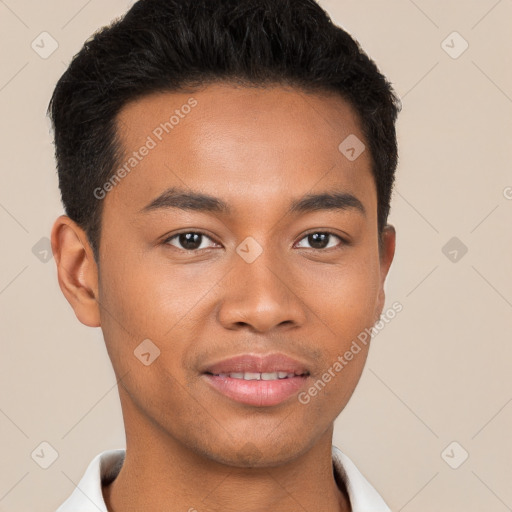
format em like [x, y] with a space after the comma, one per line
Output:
[178, 45]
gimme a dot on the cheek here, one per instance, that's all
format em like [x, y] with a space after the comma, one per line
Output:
[152, 298]
[139, 307]
[343, 297]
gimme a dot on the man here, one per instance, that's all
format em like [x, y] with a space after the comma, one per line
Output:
[226, 168]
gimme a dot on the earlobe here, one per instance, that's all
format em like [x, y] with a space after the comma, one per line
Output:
[76, 269]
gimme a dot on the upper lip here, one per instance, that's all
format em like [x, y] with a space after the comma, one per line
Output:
[257, 363]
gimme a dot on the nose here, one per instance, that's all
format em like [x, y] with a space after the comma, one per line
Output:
[260, 296]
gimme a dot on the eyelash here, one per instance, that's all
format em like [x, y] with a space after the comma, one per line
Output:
[342, 240]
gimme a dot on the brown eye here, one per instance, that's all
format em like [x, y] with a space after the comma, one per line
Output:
[191, 241]
[321, 240]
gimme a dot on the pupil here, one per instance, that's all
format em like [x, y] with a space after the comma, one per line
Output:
[190, 240]
[318, 240]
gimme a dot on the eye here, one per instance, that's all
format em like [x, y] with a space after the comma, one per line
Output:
[319, 240]
[189, 241]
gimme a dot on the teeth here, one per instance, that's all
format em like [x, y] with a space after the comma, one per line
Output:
[258, 376]
[252, 376]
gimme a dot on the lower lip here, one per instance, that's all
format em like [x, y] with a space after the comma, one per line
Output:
[260, 393]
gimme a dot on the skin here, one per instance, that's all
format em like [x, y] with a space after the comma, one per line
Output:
[188, 446]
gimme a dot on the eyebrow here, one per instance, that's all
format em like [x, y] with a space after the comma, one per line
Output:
[196, 201]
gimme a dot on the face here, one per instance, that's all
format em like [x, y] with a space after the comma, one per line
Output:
[241, 242]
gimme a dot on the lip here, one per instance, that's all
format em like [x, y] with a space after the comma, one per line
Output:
[259, 393]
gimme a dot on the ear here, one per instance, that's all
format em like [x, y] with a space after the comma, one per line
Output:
[387, 253]
[76, 269]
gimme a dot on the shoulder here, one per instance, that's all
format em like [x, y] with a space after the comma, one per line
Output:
[103, 468]
[363, 496]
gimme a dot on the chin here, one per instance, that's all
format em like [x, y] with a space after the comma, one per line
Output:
[262, 453]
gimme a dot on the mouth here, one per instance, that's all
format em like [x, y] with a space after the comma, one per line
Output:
[279, 375]
[257, 380]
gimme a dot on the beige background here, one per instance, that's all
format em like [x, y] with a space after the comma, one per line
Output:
[439, 372]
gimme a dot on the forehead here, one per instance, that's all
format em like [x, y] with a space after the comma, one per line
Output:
[243, 144]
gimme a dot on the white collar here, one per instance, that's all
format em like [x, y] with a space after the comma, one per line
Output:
[88, 495]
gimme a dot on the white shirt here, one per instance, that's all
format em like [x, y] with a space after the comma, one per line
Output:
[104, 468]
